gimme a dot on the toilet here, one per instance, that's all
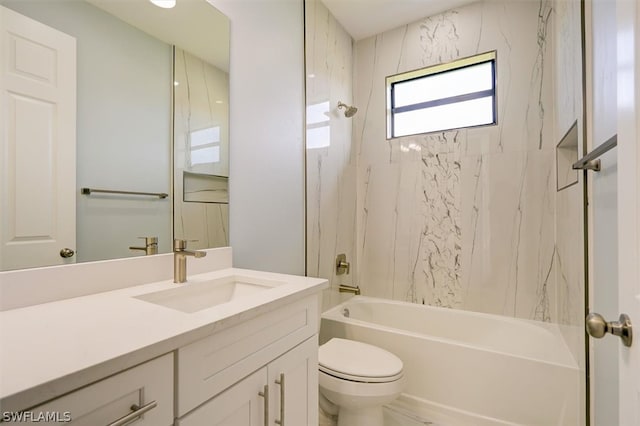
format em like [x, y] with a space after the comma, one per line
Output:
[356, 379]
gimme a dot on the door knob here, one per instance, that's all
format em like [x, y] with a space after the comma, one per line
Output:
[597, 327]
[67, 252]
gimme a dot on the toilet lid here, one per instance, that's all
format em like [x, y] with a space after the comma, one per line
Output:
[358, 361]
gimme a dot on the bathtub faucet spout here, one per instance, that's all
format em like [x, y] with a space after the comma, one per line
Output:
[349, 289]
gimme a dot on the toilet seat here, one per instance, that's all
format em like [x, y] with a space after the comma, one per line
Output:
[358, 362]
[360, 379]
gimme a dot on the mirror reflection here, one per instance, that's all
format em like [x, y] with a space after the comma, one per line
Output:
[88, 102]
[201, 173]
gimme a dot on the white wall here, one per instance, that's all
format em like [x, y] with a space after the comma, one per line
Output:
[266, 190]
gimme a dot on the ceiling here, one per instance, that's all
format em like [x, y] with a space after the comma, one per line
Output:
[193, 25]
[364, 18]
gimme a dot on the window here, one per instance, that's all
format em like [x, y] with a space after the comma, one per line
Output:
[205, 146]
[443, 97]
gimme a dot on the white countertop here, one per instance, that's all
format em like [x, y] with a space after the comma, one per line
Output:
[52, 348]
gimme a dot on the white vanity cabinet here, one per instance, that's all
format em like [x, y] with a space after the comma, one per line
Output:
[249, 361]
[253, 373]
[282, 393]
[143, 394]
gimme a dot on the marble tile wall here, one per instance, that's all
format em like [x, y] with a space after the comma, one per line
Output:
[570, 232]
[466, 219]
[200, 101]
[330, 158]
[462, 219]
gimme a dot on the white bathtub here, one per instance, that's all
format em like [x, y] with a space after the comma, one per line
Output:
[480, 369]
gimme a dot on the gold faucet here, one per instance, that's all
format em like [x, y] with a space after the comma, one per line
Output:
[349, 289]
[180, 254]
[150, 246]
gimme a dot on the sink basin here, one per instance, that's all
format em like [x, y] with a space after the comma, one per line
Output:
[197, 294]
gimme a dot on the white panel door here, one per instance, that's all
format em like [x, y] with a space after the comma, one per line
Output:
[37, 155]
[628, 100]
[615, 208]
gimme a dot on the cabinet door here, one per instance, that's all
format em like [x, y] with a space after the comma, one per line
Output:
[243, 404]
[294, 380]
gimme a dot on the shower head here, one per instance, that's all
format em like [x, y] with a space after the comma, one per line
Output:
[349, 111]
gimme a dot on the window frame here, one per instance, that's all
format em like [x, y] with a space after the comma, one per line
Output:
[457, 64]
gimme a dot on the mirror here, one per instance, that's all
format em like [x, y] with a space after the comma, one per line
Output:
[145, 77]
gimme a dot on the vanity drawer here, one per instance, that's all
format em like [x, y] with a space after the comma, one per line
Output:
[148, 386]
[209, 366]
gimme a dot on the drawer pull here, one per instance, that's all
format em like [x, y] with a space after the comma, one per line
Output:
[137, 412]
[265, 395]
[281, 383]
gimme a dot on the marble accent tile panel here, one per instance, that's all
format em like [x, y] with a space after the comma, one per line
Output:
[331, 169]
[411, 231]
[201, 97]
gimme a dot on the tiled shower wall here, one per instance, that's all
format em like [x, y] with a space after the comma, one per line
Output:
[331, 161]
[463, 219]
[570, 233]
